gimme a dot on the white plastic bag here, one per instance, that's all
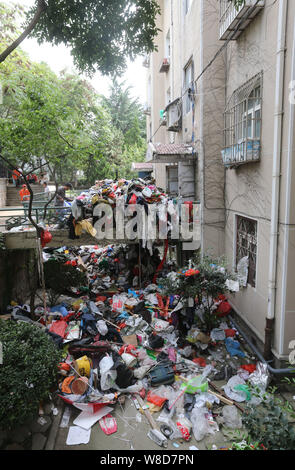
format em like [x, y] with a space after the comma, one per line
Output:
[118, 303]
[201, 425]
[108, 376]
[102, 327]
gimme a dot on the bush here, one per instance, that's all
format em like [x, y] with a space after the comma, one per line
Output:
[203, 283]
[28, 370]
[270, 423]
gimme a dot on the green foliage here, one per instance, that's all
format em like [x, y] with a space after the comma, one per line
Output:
[205, 286]
[270, 423]
[28, 372]
[60, 276]
[102, 34]
[62, 120]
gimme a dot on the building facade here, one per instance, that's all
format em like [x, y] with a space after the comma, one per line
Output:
[220, 102]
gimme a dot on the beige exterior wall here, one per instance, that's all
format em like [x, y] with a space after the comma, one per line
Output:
[247, 190]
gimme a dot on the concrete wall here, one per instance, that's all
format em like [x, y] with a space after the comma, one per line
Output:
[17, 276]
[3, 191]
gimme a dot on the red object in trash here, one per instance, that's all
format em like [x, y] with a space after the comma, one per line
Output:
[46, 238]
[64, 366]
[189, 204]
[127, 348]
[223, 309]
[249, 368]
[230, 332]
[133, 199]
[101, 298]
[200, 361]
[155, 399]
[59, 328]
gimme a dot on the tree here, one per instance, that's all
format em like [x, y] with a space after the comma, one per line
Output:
[126, 113]
[102, 34]
[128, 119]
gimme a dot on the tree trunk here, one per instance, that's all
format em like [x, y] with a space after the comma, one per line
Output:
[40, 10]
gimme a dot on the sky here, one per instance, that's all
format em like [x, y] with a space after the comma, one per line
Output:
[60, 57]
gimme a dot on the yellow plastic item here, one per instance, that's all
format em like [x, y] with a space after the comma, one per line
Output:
[83, 366]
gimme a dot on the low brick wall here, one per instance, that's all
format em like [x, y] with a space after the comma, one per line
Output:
[3, 192]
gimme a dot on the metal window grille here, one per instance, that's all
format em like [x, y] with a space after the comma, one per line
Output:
[242, 118]
[247, 245]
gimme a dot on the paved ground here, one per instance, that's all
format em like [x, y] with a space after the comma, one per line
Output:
[132, 432]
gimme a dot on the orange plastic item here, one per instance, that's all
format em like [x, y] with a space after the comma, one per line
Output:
[66, 385]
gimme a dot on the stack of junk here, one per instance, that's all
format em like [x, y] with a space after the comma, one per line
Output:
[124, 338]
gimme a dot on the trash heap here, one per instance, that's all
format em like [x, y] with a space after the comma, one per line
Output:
[142, 192]
[125, 340]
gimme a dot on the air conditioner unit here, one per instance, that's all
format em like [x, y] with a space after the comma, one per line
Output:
[165, 64]
[174, 115]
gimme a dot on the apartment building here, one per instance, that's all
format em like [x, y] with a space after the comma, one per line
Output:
[220, 123]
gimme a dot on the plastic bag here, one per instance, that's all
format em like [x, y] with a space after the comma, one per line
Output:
[155, 398]
[118, 303]
[184, 426]
[102, 327]
[108, 376]
[231, 417]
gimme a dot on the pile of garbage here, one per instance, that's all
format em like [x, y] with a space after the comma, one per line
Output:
[120, 339]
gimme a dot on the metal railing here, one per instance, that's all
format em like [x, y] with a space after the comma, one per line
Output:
[16, 217]
[230, 15]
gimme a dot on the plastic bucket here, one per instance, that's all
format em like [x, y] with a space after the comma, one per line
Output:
[80, 386]
[83, 366]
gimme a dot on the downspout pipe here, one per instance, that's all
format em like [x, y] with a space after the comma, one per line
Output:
[291, 151]
[272, 370]
[276, 175]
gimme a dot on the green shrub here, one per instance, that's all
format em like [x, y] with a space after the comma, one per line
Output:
[270, 423]
[28, 370]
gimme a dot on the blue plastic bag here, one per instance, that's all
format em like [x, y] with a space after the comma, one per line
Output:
[233, 347]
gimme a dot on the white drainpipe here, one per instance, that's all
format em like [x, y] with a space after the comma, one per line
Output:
[201, 127]
[291, 150]
[278, 121]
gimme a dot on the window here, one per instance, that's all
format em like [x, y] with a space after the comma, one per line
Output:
[242, 132]
[188, 84]
[172, 179]
[247, 245]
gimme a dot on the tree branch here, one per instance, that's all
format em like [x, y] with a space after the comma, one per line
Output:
[39, 12]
